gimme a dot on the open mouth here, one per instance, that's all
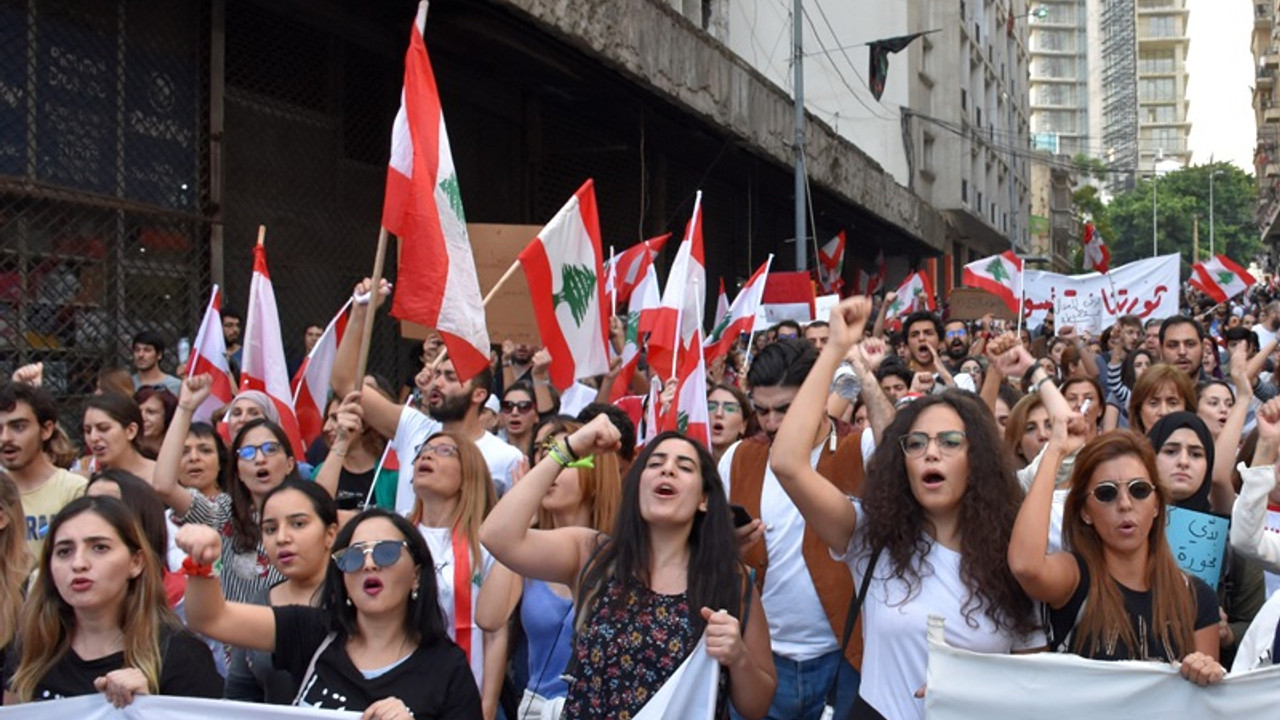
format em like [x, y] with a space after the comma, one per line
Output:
[81, 584]
[717, 427]
[98, 450]
[933, 479]
[372, 586]
[665, 490]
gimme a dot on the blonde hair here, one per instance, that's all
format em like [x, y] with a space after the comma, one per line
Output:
[600, 485]
[16, 558]
[476, 496]
[49, 623]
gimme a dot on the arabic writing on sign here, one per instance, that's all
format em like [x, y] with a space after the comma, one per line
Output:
[1198, 541]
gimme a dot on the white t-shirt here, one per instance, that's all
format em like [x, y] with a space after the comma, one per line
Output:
[1264, 334]
[415, 427]
[798, 624]
[895, 633]
[1027, 475]
[440, 541]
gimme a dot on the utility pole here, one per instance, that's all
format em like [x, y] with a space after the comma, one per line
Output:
[1212, 250]
[802, 234]
[1155, 217]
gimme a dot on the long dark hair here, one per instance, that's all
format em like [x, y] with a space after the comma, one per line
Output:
[423, 619]
[896, 521]
[321, 501]
[714, 573]
[122, 409]
[246, 533]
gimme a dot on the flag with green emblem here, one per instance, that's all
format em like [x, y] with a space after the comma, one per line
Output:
[1000, 275]
[1220, 278]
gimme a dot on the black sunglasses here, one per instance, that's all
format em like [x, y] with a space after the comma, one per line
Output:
[1107, 492]
[523, 406]
[385, 553]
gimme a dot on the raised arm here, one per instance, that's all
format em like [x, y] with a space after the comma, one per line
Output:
[381, 413]
[1248, 517]
[549, 555]
[1222, 494]
[540, 373]
[867, 356]
[350, 425]
[164, 478]
[877, 330]
[208, 613]
[824, 507]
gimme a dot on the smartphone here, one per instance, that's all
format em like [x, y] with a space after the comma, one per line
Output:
[740, 516]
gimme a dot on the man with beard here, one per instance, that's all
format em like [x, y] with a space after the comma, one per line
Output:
[28, 416]
[1182, 346]
[955, 344]
[517, 363]
[451, 405]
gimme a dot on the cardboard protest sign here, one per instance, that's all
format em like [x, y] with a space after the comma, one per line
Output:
[972, 304]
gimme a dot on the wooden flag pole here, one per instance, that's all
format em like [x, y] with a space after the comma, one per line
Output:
[613, 297]
[366, 337]
[501, 281]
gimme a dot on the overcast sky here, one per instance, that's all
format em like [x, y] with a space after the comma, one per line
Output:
[1220, 64]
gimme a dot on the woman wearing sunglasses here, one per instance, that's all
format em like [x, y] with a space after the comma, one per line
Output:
[518, 415]
[937, 509]
[454, 493]
[1118, 594]
[377, 641]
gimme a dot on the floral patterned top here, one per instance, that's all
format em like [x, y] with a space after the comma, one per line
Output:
[633, 640]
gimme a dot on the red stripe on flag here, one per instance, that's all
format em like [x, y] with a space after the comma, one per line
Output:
[537, 268]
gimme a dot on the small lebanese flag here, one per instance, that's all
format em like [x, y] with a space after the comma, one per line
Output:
[641, 314]
[651, 429]
[688, 412]
[1000, 275]
[1096, 255]
[788, 296]
[263, 365]
[741, 317]
[865, 283]
[627, 269]
[722, 304]
[831, 265]
[915, 293]
[1220, 278]
[209, 356]
[311, 382]
[681, 310]
[564, 266]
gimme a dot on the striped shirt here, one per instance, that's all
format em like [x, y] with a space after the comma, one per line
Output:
[243, 573]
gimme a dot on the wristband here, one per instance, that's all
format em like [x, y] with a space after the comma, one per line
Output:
[555, 453]
[568, 450]
[191, 568]
[360, 298]
[1042, 381]
[537, 382]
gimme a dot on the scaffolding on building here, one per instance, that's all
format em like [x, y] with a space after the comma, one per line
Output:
[1119, 25]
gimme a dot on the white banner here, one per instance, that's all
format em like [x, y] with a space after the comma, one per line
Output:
[160, 707]
[690, 692]
[964, 685]
[1092, 302]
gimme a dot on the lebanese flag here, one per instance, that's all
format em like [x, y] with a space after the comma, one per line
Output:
[831, 265]
[564, 265]
[1220, 278]
[741, 317]
[651, 428]
[865, 283]
[688, 412]
[209, 356]
[262, 362]
[915, 293]
[437, 285]
[311, 382]
[627, 270]
[641, 314]
[722, 304]
[1000, 275]
[788, 296]
[681, 311]
[1096, 254]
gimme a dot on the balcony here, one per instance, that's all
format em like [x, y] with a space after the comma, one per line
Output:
[1271, 58]
[1266, 77]
[1262, 15]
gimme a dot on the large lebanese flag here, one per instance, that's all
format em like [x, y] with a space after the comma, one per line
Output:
[681, 310]
[1000, 275]
[1220, 278]
[688, 412]
[643, 307]
[262, 361]
[831, 264]
[564, 266]
[627, 270]
[437, 285]
[311, 382]
[209, 356]
[741, 317]
[915, 293]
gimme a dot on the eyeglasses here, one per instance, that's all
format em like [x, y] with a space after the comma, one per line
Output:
[957, 333]
[438, 449]
[730, 407]
[1107, 492]
[520, 406]
[269, 448]
[949, 442]
[385, 553]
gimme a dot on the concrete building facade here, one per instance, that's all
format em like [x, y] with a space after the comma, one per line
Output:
[1266, 106]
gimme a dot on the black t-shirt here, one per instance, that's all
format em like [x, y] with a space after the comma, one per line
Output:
[1139, 607]
[434, 681]
[186, 670]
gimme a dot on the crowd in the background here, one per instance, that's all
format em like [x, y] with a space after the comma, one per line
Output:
[497, 547]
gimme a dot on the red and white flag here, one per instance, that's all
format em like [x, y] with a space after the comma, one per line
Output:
[644, 302]
[865, 283]
[722, 304]
[741, 317]
[263, 365]
[209, 356]
[683, 298]
[788, 296]
[564, 268]
[1096, 255]
[651, 428]
[627, 270]
[831, 265]
[311, 381]
[915, 293]
[688, 412]
[1220, 278]
[437, 285]
[1000, 275]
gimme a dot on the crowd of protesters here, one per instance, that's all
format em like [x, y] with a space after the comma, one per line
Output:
[527, 558]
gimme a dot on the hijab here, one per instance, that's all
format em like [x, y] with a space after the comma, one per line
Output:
[1159, 435]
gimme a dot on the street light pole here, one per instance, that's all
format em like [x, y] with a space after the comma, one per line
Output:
[1212, 175]
[1155, 218]
[802, 234]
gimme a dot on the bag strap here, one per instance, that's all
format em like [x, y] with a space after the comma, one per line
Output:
[311, 667]
[746, 600]
[855, 609]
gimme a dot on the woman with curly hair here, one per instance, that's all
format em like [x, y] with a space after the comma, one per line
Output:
[1118, 594]
[937, 476]
[1161, 390]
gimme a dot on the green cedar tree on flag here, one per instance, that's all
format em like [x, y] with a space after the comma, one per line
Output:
[437, 284]
[688, 413]
[1000, 275]
[564, 267]
[915, 293]
[1220, 278]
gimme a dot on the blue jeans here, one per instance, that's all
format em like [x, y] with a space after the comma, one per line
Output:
[802, 687]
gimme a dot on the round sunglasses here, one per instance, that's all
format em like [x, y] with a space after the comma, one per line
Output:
[1107, 492]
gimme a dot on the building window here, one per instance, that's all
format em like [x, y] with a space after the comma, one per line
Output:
[1157, 61]
[1156, 89]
